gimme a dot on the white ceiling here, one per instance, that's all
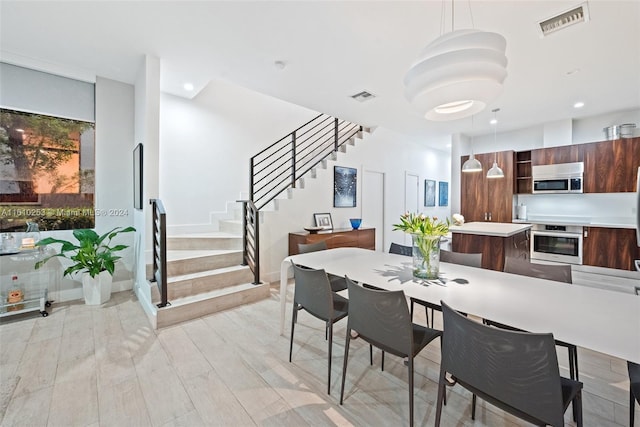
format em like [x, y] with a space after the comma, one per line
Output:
[333, 49]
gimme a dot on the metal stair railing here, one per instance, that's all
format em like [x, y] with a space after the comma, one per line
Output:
[278, 168]
[159, 234]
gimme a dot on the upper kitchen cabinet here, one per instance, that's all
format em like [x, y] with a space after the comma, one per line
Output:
[555, 155]
[488, 199]
[611, 166]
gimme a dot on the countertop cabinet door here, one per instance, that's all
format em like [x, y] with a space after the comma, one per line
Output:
[610, 247]
[484, 199]
[555, 155]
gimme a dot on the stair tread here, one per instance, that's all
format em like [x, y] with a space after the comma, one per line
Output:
[206, 273]
[210, 294]
[181, 254]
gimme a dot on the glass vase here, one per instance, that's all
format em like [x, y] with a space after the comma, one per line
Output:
[426, 256]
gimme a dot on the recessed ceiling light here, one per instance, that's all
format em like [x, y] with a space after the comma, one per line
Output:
[188, 86]
[493, 121]
[279, 65]
[578, 104]
[572, 72]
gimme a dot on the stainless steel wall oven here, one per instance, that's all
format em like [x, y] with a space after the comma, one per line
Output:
[557, 243]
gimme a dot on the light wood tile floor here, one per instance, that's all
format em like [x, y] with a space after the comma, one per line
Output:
[105, 366]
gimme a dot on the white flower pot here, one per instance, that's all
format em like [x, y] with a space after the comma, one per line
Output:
[97, 290]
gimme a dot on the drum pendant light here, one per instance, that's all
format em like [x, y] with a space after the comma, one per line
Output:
[458, 74]
[495, 171]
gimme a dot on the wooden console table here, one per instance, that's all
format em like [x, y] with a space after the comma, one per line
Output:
[364, 238]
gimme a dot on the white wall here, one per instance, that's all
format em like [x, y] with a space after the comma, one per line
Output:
[206, 144]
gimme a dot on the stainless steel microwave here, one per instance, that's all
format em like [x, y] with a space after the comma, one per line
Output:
[559, 178]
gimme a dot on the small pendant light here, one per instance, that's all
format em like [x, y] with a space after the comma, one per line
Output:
[472, 164]
[495, 171]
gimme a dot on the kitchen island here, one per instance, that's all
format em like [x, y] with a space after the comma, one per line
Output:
[494, 240]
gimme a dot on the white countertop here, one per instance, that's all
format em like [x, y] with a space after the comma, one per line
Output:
[500, 229]
[585, 221]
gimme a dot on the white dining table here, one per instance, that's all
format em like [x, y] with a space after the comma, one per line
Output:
[604, 321]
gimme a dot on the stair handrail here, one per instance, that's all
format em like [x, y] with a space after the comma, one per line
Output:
[159, 235]
[250, 238]
[279, 166]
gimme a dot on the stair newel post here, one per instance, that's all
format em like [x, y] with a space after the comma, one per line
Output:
[256, 227]
[293, 159]
[335, 134]
[251, 177]
[244, 227]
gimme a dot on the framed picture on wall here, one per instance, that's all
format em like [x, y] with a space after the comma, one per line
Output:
[429, 192]
[137, 177]
[443, 193]
[344, 187]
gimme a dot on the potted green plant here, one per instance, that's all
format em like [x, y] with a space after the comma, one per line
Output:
[93, 256]
[426, 233]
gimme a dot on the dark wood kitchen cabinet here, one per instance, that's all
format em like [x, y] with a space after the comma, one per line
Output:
[611, 166]
[494, 249]
[555, 155]
[485, 199]
[610, 247]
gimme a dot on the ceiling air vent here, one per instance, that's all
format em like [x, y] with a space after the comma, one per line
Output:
[363, 96]
[572, 16]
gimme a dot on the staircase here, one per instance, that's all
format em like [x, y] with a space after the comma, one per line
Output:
[205, 275]
[210, 272]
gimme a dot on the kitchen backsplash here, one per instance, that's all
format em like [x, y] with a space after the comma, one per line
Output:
[621, 206]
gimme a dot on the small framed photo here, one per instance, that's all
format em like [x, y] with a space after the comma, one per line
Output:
[323, 220]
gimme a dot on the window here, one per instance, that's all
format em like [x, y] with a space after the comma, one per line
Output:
[47, 170]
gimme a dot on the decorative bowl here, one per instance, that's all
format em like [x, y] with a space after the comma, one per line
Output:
[313, 230]
[355, 222]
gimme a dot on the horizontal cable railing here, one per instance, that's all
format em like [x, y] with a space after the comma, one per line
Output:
[279, 166]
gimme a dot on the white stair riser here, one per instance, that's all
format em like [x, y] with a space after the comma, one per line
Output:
[196, 265]
[191, 243]
[234, 227]
[198, 285]
[172, 315]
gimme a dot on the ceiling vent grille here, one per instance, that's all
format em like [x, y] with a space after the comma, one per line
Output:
[570, 17]
[363, 96]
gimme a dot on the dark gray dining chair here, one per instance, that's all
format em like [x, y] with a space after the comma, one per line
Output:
[515, 371]
[471, 260]
[382, 319]
[400, 249]
[634, 390]
[313, 294]
[559, 273]
[337, 282]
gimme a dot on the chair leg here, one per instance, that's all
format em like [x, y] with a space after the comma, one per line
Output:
[577, 403]
[382, 361]
[575, 362]
[632, 409]
[370, 354]
[294, 318]
[330, 328]
[410, 390]
[426, 314]
[344, 363]
[411, 311]
[441, 390]
[473, 407]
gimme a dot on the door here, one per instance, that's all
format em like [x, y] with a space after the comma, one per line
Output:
[373, 204]
[411, 197]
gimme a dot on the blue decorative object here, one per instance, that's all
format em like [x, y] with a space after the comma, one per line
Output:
[355, 223]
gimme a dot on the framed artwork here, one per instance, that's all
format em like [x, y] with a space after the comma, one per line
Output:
[137, 177]
[443, 193]
[429, 192]
[344, 187]
[323, 220]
